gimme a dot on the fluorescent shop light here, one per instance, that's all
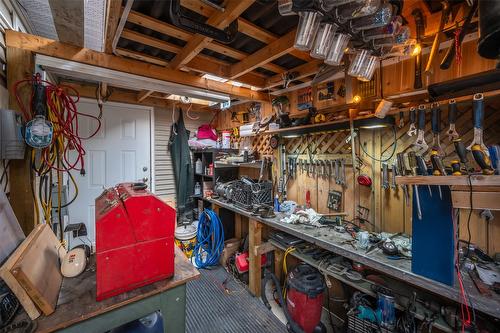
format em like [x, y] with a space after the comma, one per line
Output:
[124, 80]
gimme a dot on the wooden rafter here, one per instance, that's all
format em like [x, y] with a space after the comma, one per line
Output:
[143, 95]
[201, 63]
[219, 20]
[267, 54]
[244, 26]
[170, 30]
[112, 18]
[54, 48]
[301, 72]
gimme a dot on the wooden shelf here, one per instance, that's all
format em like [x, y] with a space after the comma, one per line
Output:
[332, 126]
[475, 180]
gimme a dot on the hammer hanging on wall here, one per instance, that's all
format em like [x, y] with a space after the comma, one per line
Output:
[437, 38]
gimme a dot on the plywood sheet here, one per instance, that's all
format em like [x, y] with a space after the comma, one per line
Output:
[12, 282]
[38, 270]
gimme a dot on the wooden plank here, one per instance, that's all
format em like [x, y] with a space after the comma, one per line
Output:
[219, 20]
[12, 282]
[237, 226]
[37, 269]
[150, 41]
[267, 54]
[244, 26]
[264, 248]
[20, 66]
[143, 95]
[302, 71]
[69, 52]
[113, 14]
[480, 200]
[254, 240]
[121, 96]
[476, 180]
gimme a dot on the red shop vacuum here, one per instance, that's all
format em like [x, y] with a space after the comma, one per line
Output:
[304, 298]
[134, 239]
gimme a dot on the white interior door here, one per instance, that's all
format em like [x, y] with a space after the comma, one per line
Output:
[119, 152]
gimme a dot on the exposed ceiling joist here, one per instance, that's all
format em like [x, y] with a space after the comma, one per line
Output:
[141, 96]
[113, 14]
[200, 64]
[301, 72]
[244, 26]
[219, 20]
[53, 48]
[168, 29]
[122, 96]
[267, 54]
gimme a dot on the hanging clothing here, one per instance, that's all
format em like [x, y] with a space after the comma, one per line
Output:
[182, 166]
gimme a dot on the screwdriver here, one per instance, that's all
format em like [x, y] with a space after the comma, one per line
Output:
[461, 153]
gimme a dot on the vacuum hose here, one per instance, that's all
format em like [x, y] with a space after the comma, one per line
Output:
[292, 326]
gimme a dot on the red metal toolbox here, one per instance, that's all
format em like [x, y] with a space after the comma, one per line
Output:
[134, 239]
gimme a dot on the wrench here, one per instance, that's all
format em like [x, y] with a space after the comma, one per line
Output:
[436, 129]
[420, 144]
[401, 122]
[385, 176]
[452, 119]
[478, 111]
[413, 130]
[337, 172]
[342, 168]
[412, 160]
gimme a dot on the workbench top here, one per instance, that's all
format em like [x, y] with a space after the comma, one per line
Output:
[77, 298]
[331, 240]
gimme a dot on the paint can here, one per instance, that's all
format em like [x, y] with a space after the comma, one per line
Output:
[185, 237]
[226, 139]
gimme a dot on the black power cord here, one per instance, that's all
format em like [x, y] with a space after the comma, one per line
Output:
[394, 146]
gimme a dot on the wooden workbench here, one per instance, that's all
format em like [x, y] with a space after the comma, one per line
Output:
[78, 311]
[333, 241]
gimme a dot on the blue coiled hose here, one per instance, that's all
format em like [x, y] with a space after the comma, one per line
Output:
[209, 240]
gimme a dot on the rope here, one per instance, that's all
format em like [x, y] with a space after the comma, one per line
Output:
[209, 240]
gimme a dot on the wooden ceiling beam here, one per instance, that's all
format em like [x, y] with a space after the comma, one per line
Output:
[142, 95]
[170, 30]
[244, 26]
[60, 50]
[263, 56]
[219, 20]
[122, 96]
[200, 64]
[113, 14]
[301, 71]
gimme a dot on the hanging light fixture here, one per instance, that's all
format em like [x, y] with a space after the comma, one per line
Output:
[309, 20]
[337, 49]
[324, 40]
[381, 18]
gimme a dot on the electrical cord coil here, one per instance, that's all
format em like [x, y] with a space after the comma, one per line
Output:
[209, 240]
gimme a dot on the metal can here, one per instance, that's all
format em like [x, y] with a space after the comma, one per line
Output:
[386, 311]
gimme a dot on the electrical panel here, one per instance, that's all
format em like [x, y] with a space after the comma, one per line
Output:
[11, 135]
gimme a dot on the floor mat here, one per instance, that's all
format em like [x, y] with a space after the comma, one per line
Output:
[217, 303]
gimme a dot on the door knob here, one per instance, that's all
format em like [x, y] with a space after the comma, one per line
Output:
[144, 168]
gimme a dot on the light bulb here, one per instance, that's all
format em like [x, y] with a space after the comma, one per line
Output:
[356, 99]
[416, 50]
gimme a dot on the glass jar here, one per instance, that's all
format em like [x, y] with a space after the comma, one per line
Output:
[355, 9]
[382, 17]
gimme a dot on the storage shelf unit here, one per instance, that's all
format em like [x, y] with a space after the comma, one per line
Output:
[366, 287]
